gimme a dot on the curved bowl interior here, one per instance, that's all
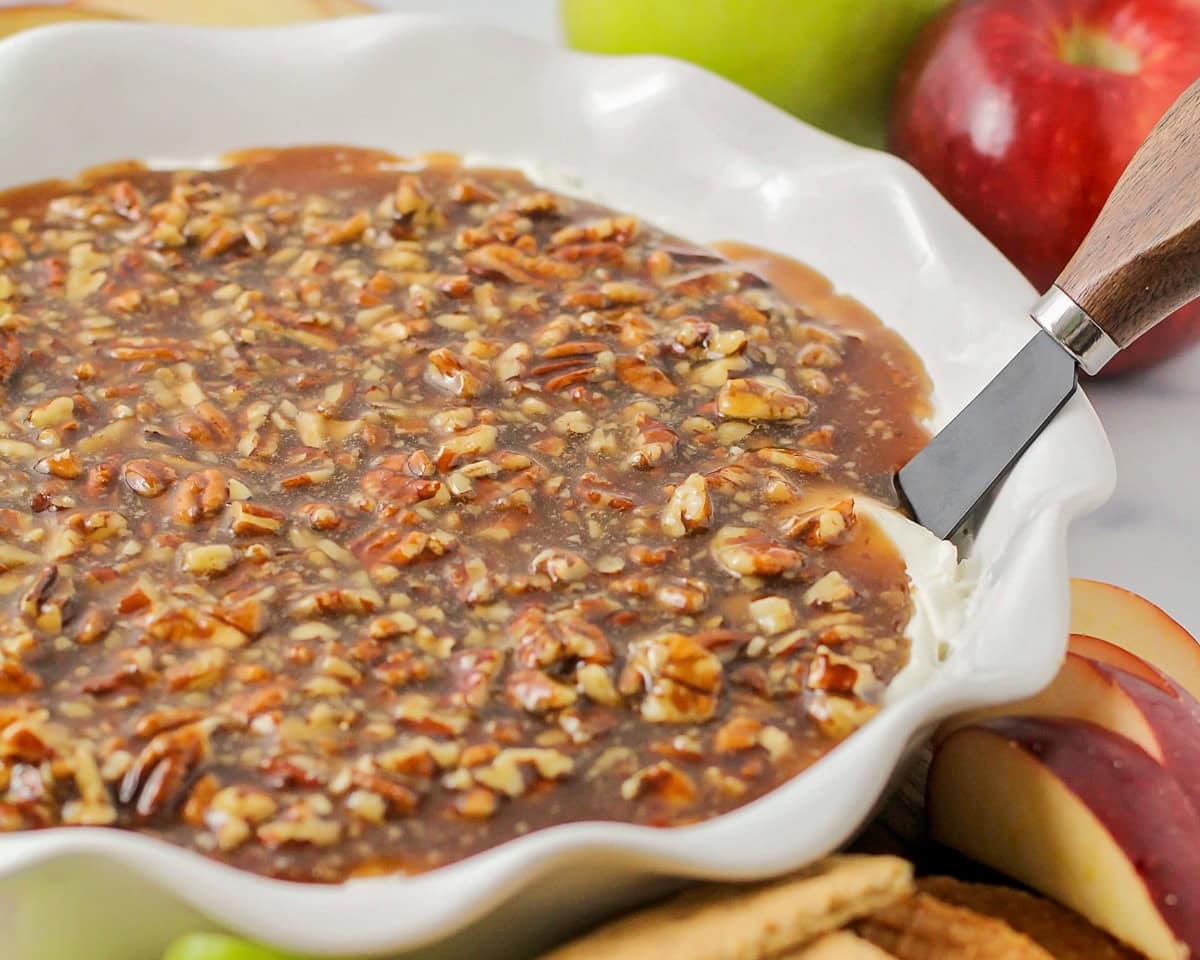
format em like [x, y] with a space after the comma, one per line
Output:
[699, 157]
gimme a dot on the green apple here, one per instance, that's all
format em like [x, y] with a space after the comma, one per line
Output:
[830, 62]
[218, 946]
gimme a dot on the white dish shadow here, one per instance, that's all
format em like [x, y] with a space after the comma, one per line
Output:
[697, 156]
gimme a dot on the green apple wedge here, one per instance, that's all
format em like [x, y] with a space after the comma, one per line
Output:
[830, 62]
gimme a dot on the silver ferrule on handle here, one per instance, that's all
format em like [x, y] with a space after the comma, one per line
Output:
[1069, 324]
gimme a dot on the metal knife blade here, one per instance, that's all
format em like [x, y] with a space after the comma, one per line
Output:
[968, 457]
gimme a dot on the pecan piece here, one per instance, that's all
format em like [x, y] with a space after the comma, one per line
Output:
[147, 478]
[207, 426]
[683, 595]
[94, 625]
[156, 780]
[201, 495]
[689, 508]
[665, 782]
[254, 520]
[473, 672]
[561, 566]
[336, 602]
[760, 398]
[838, 717]
[654, 443]
[542, 639]
[10, 355]
[512, 770]
[832, 592]
[823, 527]
[680, 679]
[737, 734]
[402, 547]
[746, 552]
[399, 489]
[645, 378]
[62, 464]
[321, 516]
[773, 614]
[448, 372]
[598, 492]
[537, 692]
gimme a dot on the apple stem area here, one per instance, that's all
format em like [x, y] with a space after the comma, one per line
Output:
[1082, 46]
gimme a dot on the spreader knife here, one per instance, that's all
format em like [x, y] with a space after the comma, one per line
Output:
[1138, 264]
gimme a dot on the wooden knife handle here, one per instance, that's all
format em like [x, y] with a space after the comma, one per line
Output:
[1141, 260]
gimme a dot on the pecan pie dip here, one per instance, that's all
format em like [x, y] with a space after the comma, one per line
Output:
[358, 515]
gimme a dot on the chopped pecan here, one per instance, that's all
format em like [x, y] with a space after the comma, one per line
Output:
[391, 545]
[654, 443]
[542, 639]
[680, 679]
[201, 495]
[473, 672]
[561, 566]
[773, 614]
[746, 552]
[689, 508]
[760, 399]
[838, 717]
[685, 595]
[537, 692]
[447, 372]
[147, 478]
[597, 492]
[254, 520]
[832, 592]
[156, 780]
[664, 782]
[823, 527]
[645, 378]
[512, 771]
[736, 735]
[207, 426]
[10, 355]
[336, 602]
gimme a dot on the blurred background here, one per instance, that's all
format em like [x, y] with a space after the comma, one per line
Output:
[1021, 112]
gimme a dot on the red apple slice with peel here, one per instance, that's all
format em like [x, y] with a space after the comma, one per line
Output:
[1080, 814]
[1104, 652]
[1159, 721]
[1137, 625]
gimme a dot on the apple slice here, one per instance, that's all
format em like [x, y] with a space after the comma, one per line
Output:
[227, 13]
[1161, 723]
[1080, 814]
[1104, 652]
[16, 19]
[1137, 625]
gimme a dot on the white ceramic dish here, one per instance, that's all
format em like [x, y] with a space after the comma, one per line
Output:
[698, 156]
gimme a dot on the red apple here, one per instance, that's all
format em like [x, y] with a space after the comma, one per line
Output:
[1135, 624]
[1163, 723]
[1024, 114]
[1109, 653]
[1080, 814]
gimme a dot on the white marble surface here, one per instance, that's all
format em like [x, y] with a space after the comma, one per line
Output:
[1147, 538]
